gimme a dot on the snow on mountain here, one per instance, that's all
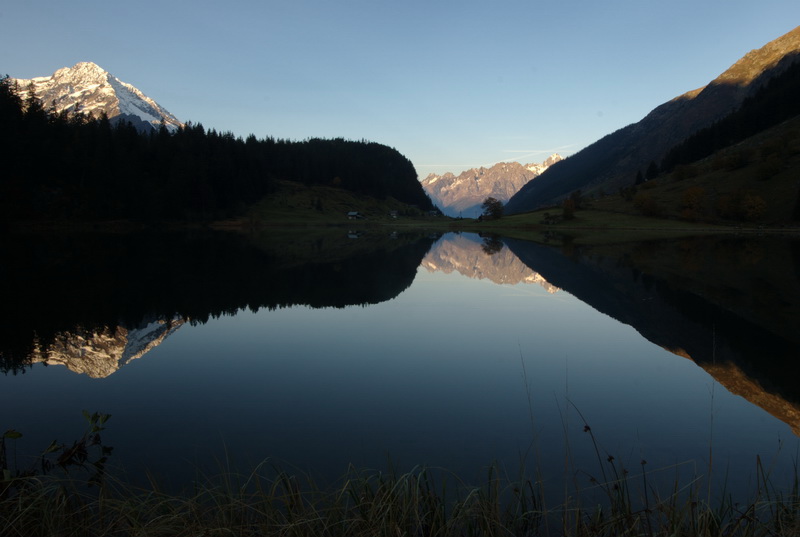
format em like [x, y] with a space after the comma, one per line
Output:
[466, 254]
[463, 194]
[100, 352]
[89, 89]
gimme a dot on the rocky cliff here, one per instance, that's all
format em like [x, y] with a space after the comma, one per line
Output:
[86, 88]
[462, 195]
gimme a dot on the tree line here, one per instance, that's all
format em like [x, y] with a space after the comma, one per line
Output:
[74, 167]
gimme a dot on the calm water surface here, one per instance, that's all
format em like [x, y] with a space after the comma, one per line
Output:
[474, 359]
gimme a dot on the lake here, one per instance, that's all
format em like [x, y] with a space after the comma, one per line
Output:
[315, 351]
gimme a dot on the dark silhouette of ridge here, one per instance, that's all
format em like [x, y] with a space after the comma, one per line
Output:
[614, 160]
[711, 334]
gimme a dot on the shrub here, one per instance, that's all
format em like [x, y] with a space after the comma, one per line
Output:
[693, 203]
[684, 171]
[628, 192]
[645, 202]
[742, 205]
[569, 209]
[753, 207]
[768, 168]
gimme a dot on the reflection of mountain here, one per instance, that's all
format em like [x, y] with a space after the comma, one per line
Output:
[711, 300]
[105, 299]
[737, 382]
[100, 352]
[469, 255]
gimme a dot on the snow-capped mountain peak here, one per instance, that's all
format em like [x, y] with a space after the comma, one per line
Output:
[81, 74]
[89, 89]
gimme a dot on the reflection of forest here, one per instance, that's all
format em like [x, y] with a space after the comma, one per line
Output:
[731, 305]
[481, 258]
[105, 298]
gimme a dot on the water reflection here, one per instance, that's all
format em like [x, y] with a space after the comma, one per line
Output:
[100, 351]
[731, 305]
[94, 302]
[481, 258]
[266, 345]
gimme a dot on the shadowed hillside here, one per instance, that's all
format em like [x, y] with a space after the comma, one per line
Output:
[615, 160]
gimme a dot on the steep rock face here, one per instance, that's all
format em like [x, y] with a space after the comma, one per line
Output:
[614, 160]
[100, 352]
[470, 257]
[462, 195]
[88, 89]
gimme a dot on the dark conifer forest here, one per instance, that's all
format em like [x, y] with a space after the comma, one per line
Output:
[775, 102]
[76, 168]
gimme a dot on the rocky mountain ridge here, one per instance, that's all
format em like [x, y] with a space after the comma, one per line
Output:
[88, 89]
[462, 195]
[614, 161]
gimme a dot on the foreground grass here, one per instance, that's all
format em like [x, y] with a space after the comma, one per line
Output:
[423, 502]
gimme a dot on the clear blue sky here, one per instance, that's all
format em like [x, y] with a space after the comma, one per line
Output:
[451, 85]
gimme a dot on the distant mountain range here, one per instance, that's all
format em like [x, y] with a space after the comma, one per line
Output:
[615, 160]
[462, 195]
[87, 88]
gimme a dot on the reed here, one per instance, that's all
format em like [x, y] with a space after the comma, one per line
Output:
[74, 493]
[422, 502]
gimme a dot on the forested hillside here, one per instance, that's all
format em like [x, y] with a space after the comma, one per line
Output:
[766, 77]
[70, 167]
[775, 102]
